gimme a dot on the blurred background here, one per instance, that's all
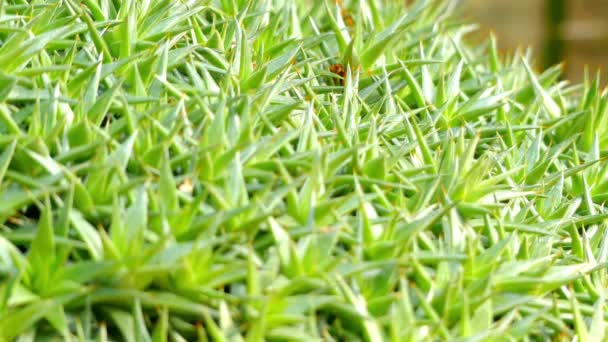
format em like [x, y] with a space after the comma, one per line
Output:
[575, 31]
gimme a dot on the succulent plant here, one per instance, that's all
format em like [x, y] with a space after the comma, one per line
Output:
[280, 170]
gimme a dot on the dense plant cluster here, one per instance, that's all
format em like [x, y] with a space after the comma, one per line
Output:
[291, 170]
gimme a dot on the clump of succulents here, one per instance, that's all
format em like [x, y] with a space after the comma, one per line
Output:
[291, 170]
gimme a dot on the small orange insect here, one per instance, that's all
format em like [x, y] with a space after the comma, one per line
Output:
[339, 70]
[348, 19]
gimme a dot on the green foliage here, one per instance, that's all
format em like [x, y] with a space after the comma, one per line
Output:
[183, 170]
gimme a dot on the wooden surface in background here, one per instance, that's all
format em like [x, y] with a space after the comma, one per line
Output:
[523, 23]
